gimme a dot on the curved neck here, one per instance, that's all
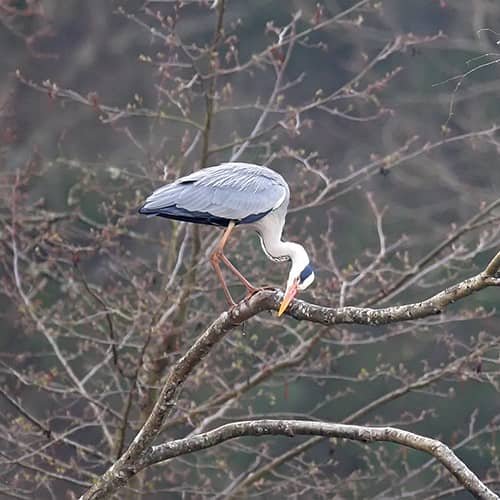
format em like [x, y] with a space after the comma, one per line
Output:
[276, 249]
[279, 250]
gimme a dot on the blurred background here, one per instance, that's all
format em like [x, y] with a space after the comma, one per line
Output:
[382, 117]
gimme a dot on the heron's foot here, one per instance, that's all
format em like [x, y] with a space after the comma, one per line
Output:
[231, 308]
[252, 291]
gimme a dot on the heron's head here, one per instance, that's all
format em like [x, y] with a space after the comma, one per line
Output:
[301, 276]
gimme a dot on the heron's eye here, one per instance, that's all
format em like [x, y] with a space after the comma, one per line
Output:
[307, 271]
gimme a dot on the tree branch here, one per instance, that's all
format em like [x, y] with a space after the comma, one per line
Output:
[127, 465]
[367, 316]
[291, 428]
[425, 380]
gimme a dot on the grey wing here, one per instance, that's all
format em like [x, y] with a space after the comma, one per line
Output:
[230, 191]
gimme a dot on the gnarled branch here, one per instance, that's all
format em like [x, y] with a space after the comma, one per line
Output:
[128, 464]
[290, 428]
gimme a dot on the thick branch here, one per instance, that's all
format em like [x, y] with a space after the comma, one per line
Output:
[425, 380]
[368, 316]
[127, 466]
[291, 428]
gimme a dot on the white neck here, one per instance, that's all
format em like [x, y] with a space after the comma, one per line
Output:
[276, 249]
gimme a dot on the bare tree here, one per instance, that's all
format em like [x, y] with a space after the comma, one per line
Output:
[124, 375]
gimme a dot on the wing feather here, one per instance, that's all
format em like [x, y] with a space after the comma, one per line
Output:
[231, 191]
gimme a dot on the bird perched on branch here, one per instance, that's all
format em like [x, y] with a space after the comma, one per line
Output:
[228, 195]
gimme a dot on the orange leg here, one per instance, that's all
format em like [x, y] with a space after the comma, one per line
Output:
[215, 263]
[218, 255]
[250, 288]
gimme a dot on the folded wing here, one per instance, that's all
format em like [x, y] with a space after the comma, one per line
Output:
[215, 195]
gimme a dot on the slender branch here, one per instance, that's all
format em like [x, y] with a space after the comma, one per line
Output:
[388, 292]
[280, 72]
[291, 428]
[43, 428]
[293, 358]
[47, 333]
[113, 113]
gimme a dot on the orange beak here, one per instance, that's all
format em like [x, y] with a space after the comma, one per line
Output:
[289, 296]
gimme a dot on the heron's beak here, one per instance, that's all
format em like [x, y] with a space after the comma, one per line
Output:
[289, 296]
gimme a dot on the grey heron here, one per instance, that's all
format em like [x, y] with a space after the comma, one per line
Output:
[230, 194]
